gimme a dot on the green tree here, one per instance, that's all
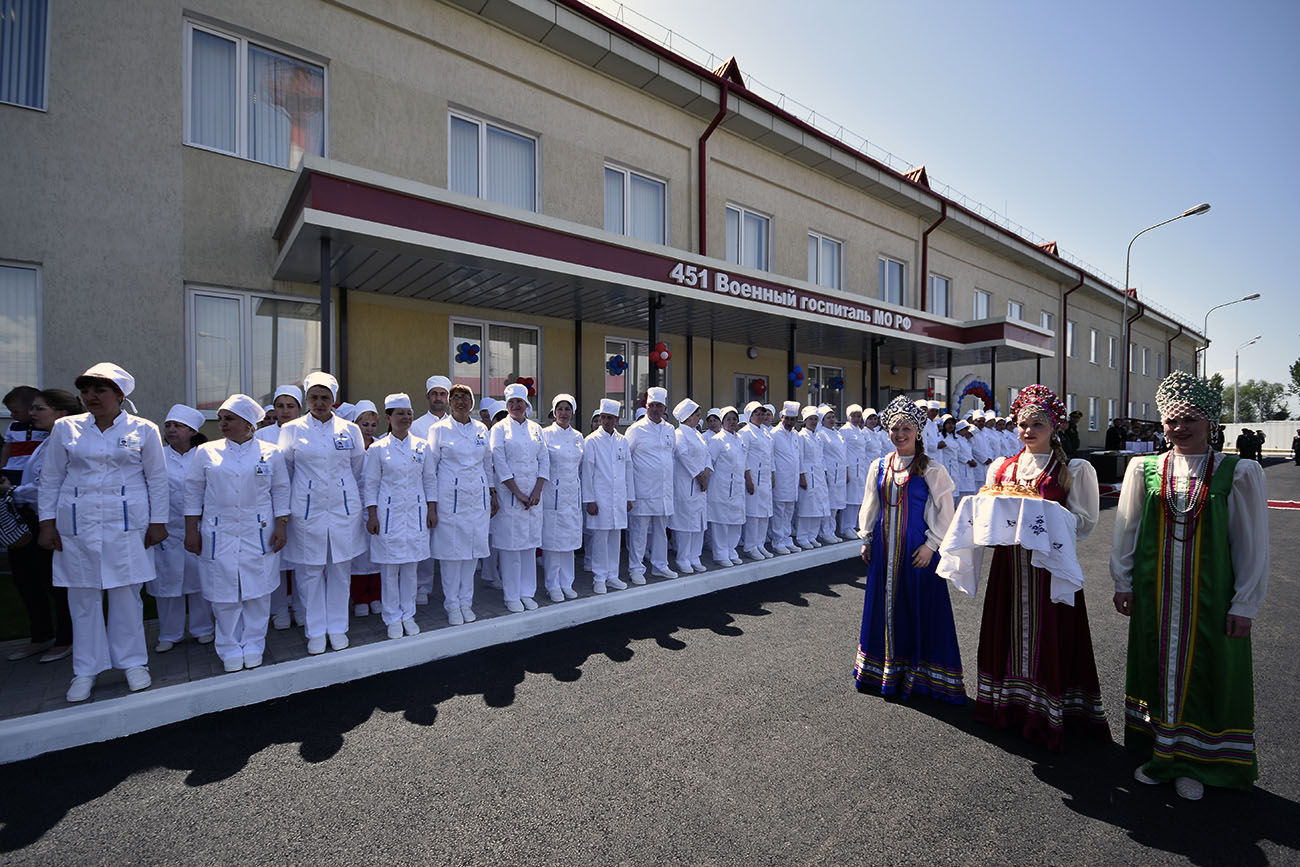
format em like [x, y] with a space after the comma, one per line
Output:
[1216, 383]
[1295, 378]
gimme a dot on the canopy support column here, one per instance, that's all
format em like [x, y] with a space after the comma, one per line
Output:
[326, 330]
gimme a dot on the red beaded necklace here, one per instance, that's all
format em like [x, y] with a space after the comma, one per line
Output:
[902, 489]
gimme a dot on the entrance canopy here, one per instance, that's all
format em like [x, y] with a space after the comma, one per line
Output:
[402, 238]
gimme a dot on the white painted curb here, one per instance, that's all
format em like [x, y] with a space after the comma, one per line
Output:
[76, 725]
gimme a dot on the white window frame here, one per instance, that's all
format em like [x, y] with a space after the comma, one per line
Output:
[1112, 410]
[1094, 405]
[1146, 410]
[1071, 403]
[245, 299]
[1015, 310]
[1012, 393]
[483, 123]
[241, 89]
[1092, 346]
[38, 337]
[902, 286]
[741, 212]
[930, 295]
[1160, 365]
[1048, 321]
[988, 304]
[1112, 350]
[820, 373]
[744, 381]
[839, 265]
[1071, 339]
[627, 174]
[937, 388]
[1146, 361]
[45, 97]
[484, 325]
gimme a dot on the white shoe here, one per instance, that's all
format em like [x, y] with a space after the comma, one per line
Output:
[163, 646]
[316, 645]
[805, 546]
[785, 549]
[467, 613]
[280, 621]
[395, 630]
[663, 572]
[339, 640]
[849, 537]
[684, 568]
[699, 566]
[569, 592]
[828, 539]
[514, 606]
[767, 555]
[137, 678]
[236, 664]
[615, 584]
[376, 608]
[723, 563]
[361, 609]
[410, 627]
[637, 578]
[598, 587]
[556, 595]
[736, 561]
[816, 543]
[1189, 789]
[752, 554]
[80, 688]
[1140, 774]
[205, 639]
[421, 598]
[253, 660]
[455, 618]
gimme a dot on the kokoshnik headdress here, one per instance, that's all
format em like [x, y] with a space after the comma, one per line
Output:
[1040, 400]
[900, 408]
[1180, 394]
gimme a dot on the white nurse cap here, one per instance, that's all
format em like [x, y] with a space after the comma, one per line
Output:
[124, 381]
[189, 416]
[561, 398]
[656, 395]
[320, 377]
[809, 410]
[365, 406]
[640, 412]
[245, 407]
[436, 382]
[292, 390]
[397, 401]
[346, 410]
[610, 407]
[790, 409]
[683, 410]
[852, 408]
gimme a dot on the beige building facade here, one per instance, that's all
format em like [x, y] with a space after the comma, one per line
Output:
[223, 195]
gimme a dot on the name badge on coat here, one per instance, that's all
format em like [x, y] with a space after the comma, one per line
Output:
[262, 469]
[342, 442]
[130, 442]
[417, 454]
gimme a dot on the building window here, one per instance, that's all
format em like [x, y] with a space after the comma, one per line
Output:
[247, 343]
[252, 102]
[1071, 346]
[940, 295]
[1012, 394]
[1015, 310]
[1112, 351]
[1048, 321]
[749, 238]
[491, 162]
[636, 205]
[1146, 361]
[1093, 404]
[20, 330]
[745, 385]
[1092, 345]
[936, 389]
[1071, 402]
[981, 305]
[825, 261]
[893, 288]
[1146, 410]
[1160, 365]
[1112, 407]
[820, 378]
[1132, 363]
[507, 353]
[25, 49]
[629, 388]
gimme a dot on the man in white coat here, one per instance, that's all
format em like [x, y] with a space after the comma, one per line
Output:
[930, 432]
[787, 462]
[436, 388]
[651, 441]
[606, 494]
[855, 470]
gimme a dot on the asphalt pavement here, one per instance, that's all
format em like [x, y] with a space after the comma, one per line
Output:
[721, 730]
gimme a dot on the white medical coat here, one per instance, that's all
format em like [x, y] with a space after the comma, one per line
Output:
[562, 494]
[833, 459]
[726, 494]
[787, 464]
[758, 460]
[325, 461]
[462, 472]
[518, 453]
[397, 479]
[177, 570]
[607, 479]
[812, 499]
[652, 461]
[690, 503]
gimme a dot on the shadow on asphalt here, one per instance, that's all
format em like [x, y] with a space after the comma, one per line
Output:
[40, 792]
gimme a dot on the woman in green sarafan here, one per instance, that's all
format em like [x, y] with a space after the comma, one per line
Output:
[1190, 564]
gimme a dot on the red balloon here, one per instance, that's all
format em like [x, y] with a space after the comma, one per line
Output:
[661, 364]
[654, 357]
[661, 347]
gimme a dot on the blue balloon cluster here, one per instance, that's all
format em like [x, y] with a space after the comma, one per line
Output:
[837, 383]
[467, 353]
[796, 375]
[616, 365]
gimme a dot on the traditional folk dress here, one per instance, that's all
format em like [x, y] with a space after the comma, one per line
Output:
[1037, 673]
[908, 642]
[1191, 557]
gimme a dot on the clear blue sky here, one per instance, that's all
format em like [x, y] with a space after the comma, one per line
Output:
[1084, 122]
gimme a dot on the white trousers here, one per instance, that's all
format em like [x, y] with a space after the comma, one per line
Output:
[689, 547]
[325, 592]
[518, 574]
[241, 627]
[755, 533]
[781, 530]
[849, 519]
[171, 616]
[604, 555]
[424, 571]
[280, 598]
[725, 539]
[639, 527]
[558, 566]
[807, 528]
[397, 583]
[586, 550]
[830, 522]
[457, 583]
[491, 571]
[97, 646]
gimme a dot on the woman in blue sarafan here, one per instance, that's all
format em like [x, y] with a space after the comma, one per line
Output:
[909, 641]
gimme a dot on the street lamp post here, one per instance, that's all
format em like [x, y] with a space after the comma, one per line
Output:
[1123, 323]
[1204, 351]
[1236, 376]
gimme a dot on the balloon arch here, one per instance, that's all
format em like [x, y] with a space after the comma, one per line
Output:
[975, 387]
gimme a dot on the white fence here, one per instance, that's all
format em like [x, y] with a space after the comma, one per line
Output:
[1277, 435]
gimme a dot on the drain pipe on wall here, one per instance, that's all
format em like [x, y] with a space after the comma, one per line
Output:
[702, 151]
[1063, 351]
[1169, 351]
[1128, 354]
[925, 252]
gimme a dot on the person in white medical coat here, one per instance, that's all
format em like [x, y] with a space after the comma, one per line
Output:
[562, 499]
[607, 486]
[236, 515]
[691, 471]
[878, 440]
[436, 392]
[397, 488]
[463, 502]
[855, 469]
[758, 482]
[177, 571]
[651, 440]
[726, 494]
[971, 474]
[521, 466]
[367, 586]
[325, 455]
[813, 506]
[787, 471]
[287, 403]
[836, 473]
[103, 502]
